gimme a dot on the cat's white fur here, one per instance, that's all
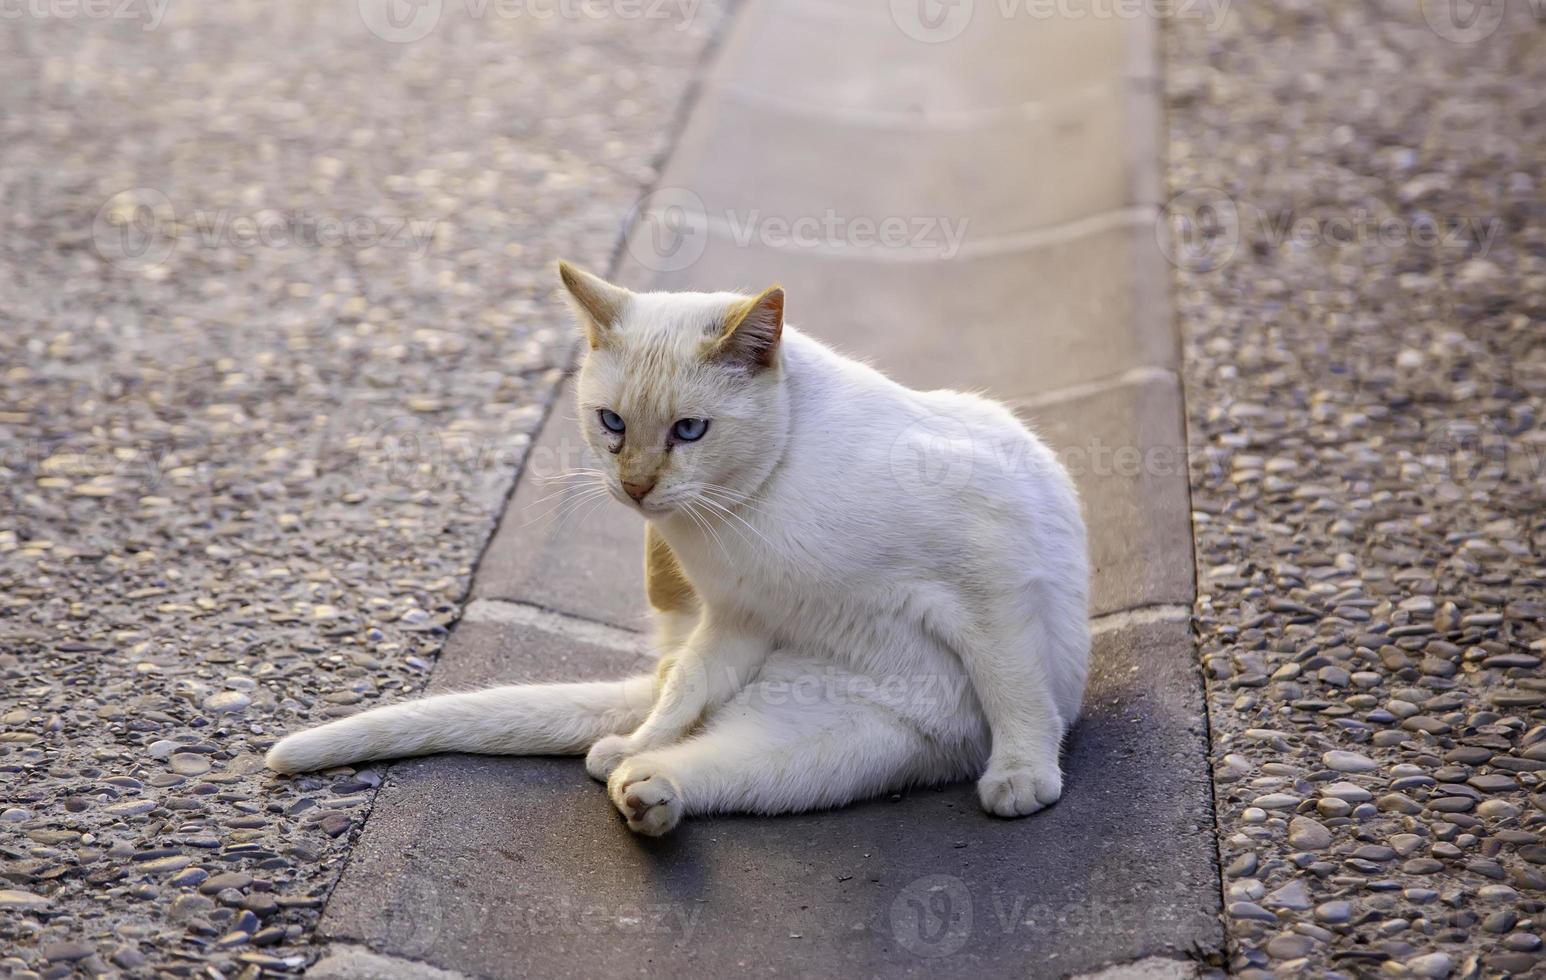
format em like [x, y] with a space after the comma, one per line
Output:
[889, 587]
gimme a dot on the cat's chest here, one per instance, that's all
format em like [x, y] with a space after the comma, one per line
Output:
[770, 559]
[796, 591]
[727, 575]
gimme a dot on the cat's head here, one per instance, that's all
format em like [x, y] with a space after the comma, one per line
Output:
[681, 395]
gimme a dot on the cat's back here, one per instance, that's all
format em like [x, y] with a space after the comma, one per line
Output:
[898, 476]
[849, 413]
[888, 500]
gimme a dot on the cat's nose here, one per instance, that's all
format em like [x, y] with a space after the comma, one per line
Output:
[638, 490]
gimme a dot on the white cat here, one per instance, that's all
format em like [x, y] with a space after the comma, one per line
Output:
[857, 587]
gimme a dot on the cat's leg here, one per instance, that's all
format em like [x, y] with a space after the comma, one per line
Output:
[772, 750]
[1028, 657]
[528, 719]
[718, 660]
[683, 691]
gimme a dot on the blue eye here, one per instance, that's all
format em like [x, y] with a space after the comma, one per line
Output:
[690, 430]
[611, 420]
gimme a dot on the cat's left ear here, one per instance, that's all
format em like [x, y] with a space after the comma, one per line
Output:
[598, 305]
[752, 330]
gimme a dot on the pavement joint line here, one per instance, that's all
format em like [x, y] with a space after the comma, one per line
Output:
[1132, 376]
[590, 631]
[1028, 110]
[1148, 968]
[1131, 216]
[351, 961]
[1140, 616]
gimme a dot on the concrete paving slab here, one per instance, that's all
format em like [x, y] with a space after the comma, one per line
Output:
[506, 867]
[1000, 175]
[877, 59]
[588, 562]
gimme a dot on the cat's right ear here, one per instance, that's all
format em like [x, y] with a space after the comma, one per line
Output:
[598, 305]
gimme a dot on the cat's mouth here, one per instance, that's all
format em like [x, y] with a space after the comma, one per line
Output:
[655, 508]
[650, 506]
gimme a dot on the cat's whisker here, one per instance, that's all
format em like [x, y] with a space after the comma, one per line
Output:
[562, 496]
[746, 524]
[597, 480]
[740, 521]
[589, 509]
[708, 528]
[718, 541]
[586, 496]
[735, 506]
[738, 532]
[569, 499]
[735, 520]
[699, 486]
[587, 502]
[587, 472]
[732, 497]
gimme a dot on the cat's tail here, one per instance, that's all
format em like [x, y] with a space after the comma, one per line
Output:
[533, 719]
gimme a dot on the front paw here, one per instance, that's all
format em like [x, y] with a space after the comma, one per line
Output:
[1014, 789]
[648, 799]
[606, 755]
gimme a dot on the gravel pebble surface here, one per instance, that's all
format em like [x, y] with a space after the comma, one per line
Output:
[277, 325]
[1360, 279]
